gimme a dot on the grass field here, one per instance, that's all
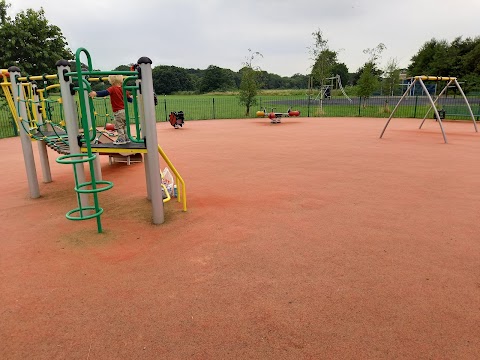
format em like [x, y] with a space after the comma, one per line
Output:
[227, 106]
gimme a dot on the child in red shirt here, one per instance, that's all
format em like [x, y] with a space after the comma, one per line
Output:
[116, 99]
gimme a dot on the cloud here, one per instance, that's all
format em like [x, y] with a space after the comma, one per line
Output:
[196, 34]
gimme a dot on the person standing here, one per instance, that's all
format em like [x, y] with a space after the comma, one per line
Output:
[118, 106]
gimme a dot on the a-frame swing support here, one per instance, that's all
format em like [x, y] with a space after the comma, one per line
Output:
[420, 80]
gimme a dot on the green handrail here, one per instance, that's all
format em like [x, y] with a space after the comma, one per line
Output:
[134, 89]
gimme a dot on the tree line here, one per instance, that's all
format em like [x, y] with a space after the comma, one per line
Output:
[172, 79]
[460, 58]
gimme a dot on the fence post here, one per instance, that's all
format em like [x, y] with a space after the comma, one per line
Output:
[165, 106]
[359, 105]
[213, 106]
[308, 106]
[14, 125]
[415, 108]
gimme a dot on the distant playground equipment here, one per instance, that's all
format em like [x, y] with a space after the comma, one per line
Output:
[177, 119]
[438, 114]
[331, 83]
[275, 117]
[76, 136]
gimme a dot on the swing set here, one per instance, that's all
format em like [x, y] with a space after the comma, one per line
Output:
[326, 90]
[433, 103]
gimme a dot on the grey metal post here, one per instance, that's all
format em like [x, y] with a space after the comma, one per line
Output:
[96, 163]
[434, 109]
[97, 166]
[396, 106]
[42, 145]
[468, 105]
[70, 114]
[153, 165]
[143, 126]
[24, 137]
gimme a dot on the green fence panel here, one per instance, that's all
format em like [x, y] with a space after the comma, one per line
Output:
[204, 107]
[7, 124]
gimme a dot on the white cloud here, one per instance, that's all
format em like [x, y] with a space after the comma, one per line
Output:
[196, 34]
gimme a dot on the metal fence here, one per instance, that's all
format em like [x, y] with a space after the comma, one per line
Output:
[228, 107]
[7, 124]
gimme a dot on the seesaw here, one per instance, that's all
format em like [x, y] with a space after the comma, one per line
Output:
[276, 116]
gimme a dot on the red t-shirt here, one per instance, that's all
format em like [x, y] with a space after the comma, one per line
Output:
[116, 98]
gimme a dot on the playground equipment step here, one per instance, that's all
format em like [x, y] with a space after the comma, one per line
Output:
[129, 159]
[59, 146]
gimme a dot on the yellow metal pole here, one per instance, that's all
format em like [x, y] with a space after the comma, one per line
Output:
[49, 87]
[9, 96]
[39, 77]
[435, 78]
[42, 101]
[183, 191]
[97, 79]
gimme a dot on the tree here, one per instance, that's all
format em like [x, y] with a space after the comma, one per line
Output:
[123, 68]
[391, 77]
[375, 53]
[354, 77]
[471, 68]
[342, 70]
[390, 81]
[34, 44]
[268, 81]
[170, 79]
[324, 58]
[432, 59]
[460, 58]
[3, 12]
[324, 62]
[249, 84]
[297, 81]
[368, 81]
[217, 79]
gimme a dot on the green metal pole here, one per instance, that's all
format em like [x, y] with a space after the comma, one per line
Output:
[105, 108]
[15, 131]
[133, 89]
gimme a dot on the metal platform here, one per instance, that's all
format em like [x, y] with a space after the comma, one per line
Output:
[109, 148]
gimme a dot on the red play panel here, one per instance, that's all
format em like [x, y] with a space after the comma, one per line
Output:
[308, 239]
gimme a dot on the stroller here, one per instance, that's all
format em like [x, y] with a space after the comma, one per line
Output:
[177, 119]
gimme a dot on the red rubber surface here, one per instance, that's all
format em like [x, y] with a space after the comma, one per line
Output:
[307, 239]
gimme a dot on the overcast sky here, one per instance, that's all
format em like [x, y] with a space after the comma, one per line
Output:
[199, 33]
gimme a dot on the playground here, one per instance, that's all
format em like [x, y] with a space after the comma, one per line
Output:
[305, 240]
